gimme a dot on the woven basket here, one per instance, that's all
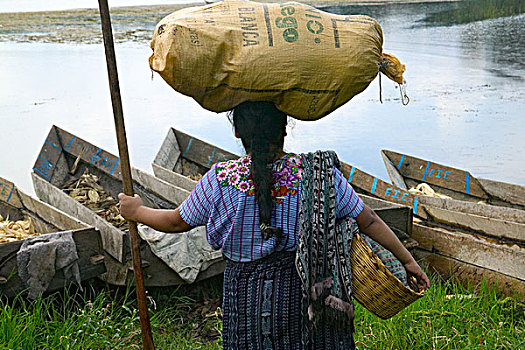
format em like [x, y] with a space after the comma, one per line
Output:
[376, 288]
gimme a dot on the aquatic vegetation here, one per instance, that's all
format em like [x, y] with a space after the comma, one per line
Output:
[476, 10]
[82, 26]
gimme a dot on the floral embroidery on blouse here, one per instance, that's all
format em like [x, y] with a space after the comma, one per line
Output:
[286, 176]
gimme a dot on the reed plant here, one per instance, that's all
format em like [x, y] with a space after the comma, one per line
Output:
[448, 317]
[468, 11]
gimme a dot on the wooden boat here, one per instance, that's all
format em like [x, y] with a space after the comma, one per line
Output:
[482, 216]
[16, 205]
[500, 223]
[406, 172]
[65, 157]
[482, 234]
[183, 158]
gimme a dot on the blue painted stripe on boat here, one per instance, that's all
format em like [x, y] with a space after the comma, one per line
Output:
[467, 182]
[70, 142]
[53, 145]
[351, 175]
[401, 161]
[95, 156]
[45, 160]
[10, 193]
[41, 173]
[187, 147]
[374, 185]
[414, 210]
[211, 157]
[426, 170]
[114, 166]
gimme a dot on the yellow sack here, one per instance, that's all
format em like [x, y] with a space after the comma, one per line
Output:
[308, 62]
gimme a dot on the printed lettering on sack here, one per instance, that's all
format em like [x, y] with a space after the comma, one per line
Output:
[288, 23]
[313, 24]
[194, 31]
[313, 105]
[207, 16]
[250, 31]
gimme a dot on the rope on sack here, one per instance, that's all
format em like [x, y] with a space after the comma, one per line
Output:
[403, 91]
[380, 88]
[393, 69]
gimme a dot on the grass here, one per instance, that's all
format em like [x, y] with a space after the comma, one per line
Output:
[448, 317]
[476, 10]
[184, 318]
[107, 318]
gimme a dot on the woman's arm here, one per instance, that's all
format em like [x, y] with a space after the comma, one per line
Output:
[165, 220]
[372, 225]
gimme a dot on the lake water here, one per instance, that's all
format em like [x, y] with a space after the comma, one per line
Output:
[466, 84]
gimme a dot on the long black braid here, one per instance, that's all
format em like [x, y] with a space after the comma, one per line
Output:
[262, 127]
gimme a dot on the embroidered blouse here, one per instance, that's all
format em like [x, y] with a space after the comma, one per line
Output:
[224, 201]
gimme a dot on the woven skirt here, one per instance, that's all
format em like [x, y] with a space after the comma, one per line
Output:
[263, 309]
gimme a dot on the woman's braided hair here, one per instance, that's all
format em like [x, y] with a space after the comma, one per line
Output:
[262, 127]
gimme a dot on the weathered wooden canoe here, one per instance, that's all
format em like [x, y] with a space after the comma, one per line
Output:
[471, 258]
[502, 223]
[183, 158]
[486, 232]
[16, 205]
[65, 157]
[406, 172]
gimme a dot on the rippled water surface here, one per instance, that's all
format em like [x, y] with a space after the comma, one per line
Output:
[466, 84]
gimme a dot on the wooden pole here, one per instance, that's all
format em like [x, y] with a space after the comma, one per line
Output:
[147, 339]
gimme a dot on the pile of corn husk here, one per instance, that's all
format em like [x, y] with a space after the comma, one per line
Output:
[88, 191]
[11, 231]
[191, 170]
[424, 189]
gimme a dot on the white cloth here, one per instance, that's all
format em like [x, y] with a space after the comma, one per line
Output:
[186, 253]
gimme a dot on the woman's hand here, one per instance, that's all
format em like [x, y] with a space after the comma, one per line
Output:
[165, 220]
[414, 270]
[129, 206]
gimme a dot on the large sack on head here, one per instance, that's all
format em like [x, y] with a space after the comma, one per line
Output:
[308, 62]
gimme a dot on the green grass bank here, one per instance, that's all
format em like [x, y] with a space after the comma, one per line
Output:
[448, 317]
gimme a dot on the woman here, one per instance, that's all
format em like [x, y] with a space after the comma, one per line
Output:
[251, 208]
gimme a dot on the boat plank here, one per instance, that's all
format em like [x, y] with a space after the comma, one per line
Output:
[169, 152]
[170, 192]
[60, 220]
[88, 245]
[8, 193]
[173, 177]
[504, 192]
[201, 152]
[470, 275]
[436, 174]
[90, 154]
[393, 173]
[480, 209]
[475, 250]
[489, 226]
[396, 216]
[378, 188]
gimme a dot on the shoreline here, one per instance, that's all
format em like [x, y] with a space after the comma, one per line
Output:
[202, 3]
[131, 23]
